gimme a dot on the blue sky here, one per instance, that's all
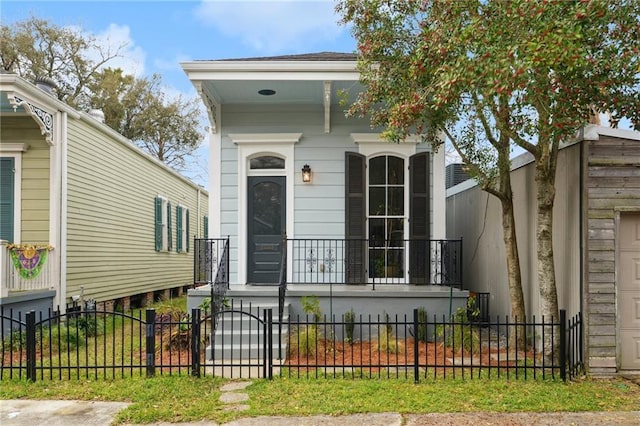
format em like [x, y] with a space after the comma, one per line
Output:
[160, 34]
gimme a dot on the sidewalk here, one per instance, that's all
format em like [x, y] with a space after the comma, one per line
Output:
[64, 413]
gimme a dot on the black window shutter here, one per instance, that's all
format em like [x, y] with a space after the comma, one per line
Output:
[419, 219]
[355, 220]
[158, 223]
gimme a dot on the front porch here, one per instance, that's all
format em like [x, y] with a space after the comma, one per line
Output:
[323, 262]
[337, 299]
[370, 277]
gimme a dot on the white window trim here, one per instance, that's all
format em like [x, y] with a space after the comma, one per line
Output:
[165, 228]
[15, 150]
[370, 144]
[373, 145]
[184, 236]
[256, 145]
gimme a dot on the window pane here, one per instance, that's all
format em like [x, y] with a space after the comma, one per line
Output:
[266, 162]
[377, 201]
[377, 171]
[267, 209]
[396, 201]
[395, 263]
[376, 264]
[376, 232]
[396, 171]
[395, 232]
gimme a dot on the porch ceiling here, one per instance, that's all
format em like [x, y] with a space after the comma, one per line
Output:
[295, 79]
[309, 92]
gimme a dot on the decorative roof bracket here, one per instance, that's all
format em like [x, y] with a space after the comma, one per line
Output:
[43, 118]
[210, 104]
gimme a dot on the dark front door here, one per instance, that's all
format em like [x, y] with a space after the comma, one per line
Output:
[266, 214]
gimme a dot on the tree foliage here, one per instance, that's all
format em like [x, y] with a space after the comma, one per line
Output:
[37, 48]
[168, 129]
[487, 73]
[137, 108]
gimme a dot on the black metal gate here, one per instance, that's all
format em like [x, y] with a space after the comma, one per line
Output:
[238, 343]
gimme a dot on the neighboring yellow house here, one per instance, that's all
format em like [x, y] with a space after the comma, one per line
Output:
[112, 221]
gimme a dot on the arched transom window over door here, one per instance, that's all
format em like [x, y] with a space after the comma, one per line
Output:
[386, 216]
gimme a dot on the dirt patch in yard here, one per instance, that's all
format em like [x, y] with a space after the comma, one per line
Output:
[370, 355]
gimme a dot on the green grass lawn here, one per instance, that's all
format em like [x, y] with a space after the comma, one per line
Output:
[182, 398]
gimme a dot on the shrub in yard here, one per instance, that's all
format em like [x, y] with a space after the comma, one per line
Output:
[311, 306]
[349, 325]
[90, 324]
[421, 332]
[386, 340]
[60, 338]
[176, 330]
[460, 334]
[14, 340]
[305, 340]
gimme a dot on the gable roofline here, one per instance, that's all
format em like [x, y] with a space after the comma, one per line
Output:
[312, 66]
[15, 84]
[320, 56]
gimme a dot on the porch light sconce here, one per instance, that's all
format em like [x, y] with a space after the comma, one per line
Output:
[306, 174]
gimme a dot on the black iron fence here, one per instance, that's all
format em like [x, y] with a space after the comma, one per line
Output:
[345, 261]
[250, 342]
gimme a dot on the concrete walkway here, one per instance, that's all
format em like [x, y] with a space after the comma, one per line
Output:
[58, 413]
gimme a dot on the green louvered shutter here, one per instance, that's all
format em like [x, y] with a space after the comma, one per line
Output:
[206, 227]
[169, 229]
[158, 223]
[7, 180]
[178, 229]
[187, 230]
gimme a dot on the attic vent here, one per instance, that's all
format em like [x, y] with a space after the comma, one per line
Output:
[97, 114]
[45, 83]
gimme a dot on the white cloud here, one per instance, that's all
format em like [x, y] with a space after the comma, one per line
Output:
[132, 58]
[172, 64]
[273, 26]
[116, 39]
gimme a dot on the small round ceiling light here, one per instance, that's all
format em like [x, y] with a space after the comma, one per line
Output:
[267, 92]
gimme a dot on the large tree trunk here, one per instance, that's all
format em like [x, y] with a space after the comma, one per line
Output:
[514, 276]
[546, 269]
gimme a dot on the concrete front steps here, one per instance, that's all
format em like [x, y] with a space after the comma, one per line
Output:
[241, 336]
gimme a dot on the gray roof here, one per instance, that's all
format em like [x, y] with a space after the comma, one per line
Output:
[320, 56]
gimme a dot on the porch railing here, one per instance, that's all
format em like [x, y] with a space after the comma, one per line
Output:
[211, 267]
[11, 281]
[348, 261]
[209, 258]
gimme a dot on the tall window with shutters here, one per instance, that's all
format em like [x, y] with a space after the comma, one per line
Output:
[182, 229]
[163, 231]
[387, 223]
